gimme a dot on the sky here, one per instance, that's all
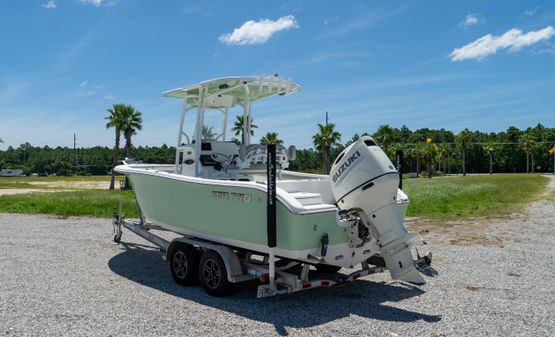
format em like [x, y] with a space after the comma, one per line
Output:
[482, 65]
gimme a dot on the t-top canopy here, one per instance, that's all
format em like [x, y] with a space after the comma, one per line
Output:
[230, 91]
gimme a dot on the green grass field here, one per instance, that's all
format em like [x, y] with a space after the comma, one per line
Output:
[472, 196]
[66, 196]
[94, 203]
[437, 198]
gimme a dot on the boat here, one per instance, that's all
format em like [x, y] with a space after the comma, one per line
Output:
[217, 189]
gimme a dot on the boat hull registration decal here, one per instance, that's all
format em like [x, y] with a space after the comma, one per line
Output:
[219, 195]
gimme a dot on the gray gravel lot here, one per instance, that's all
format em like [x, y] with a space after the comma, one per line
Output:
[65, 277]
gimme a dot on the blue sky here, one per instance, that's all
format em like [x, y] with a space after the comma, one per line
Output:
[482, 65]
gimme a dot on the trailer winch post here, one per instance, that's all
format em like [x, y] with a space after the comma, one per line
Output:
[271, 213]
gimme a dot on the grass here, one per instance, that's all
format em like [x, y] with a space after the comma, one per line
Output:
[472, 196]
[94, 203]
[437, 198]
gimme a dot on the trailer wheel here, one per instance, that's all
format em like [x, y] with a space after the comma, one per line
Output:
[184, 261]
[213, 274]
[327, 269]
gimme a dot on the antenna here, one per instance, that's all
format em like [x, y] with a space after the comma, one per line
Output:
[74, 153]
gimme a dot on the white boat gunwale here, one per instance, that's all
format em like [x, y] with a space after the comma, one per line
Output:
[284, 197]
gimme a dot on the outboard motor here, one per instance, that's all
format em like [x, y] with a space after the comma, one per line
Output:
[365, 184]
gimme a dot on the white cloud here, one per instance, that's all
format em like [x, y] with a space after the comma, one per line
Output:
[94, 85]
[50, 5]
[369, 18]
[513, 40]
[331, 20]
[531, 12]
[471, 20]
[110, 97]
[548, 49]
[86, 93]
[96, 3]
[258, 32]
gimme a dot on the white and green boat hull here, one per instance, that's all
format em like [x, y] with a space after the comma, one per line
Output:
[234, 213]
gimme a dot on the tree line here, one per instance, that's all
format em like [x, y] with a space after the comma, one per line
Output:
[433, 151]
[425, 150]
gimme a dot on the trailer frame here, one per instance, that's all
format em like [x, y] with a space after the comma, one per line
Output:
[243, 265]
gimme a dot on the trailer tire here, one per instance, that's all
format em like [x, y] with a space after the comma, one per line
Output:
[327, 269]
[213, 274]
[184, 260]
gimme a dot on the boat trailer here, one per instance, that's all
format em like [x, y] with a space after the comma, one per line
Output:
[238, 265]
[217, 266]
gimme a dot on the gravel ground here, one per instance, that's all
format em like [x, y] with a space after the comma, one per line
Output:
[64, 277]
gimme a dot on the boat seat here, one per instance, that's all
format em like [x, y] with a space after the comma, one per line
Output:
[322, 188]
[307, 198]
[256, 156]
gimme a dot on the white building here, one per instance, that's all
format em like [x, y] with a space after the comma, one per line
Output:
[11, 173]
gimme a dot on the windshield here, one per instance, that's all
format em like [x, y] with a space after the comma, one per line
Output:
[213, 126]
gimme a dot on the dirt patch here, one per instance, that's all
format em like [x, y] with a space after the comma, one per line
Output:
[73, 184]
[468, 240]
[463, 232]
[550, 188]
[470, 231]
[12, 191]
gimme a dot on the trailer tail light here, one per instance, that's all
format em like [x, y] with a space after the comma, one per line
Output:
[265, 278]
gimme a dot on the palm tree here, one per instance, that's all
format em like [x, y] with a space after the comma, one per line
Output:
[271, 138]
[464, 139]
[115, 120]
[528, 144]
[489, 149]
[132, 122]
[442, 150]
[208, 133]
[429, 152]
[238, 127]
[384, 135]
[324, 140]
[417, 152]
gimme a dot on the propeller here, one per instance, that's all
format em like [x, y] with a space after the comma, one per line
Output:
[423, 264]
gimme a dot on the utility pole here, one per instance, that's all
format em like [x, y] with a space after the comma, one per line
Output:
[449, 161]
[326, 118]
[74, 153]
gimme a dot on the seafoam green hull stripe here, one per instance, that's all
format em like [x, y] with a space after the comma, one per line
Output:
[224, 211]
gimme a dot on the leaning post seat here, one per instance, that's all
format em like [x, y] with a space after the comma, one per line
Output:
[256, 156]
